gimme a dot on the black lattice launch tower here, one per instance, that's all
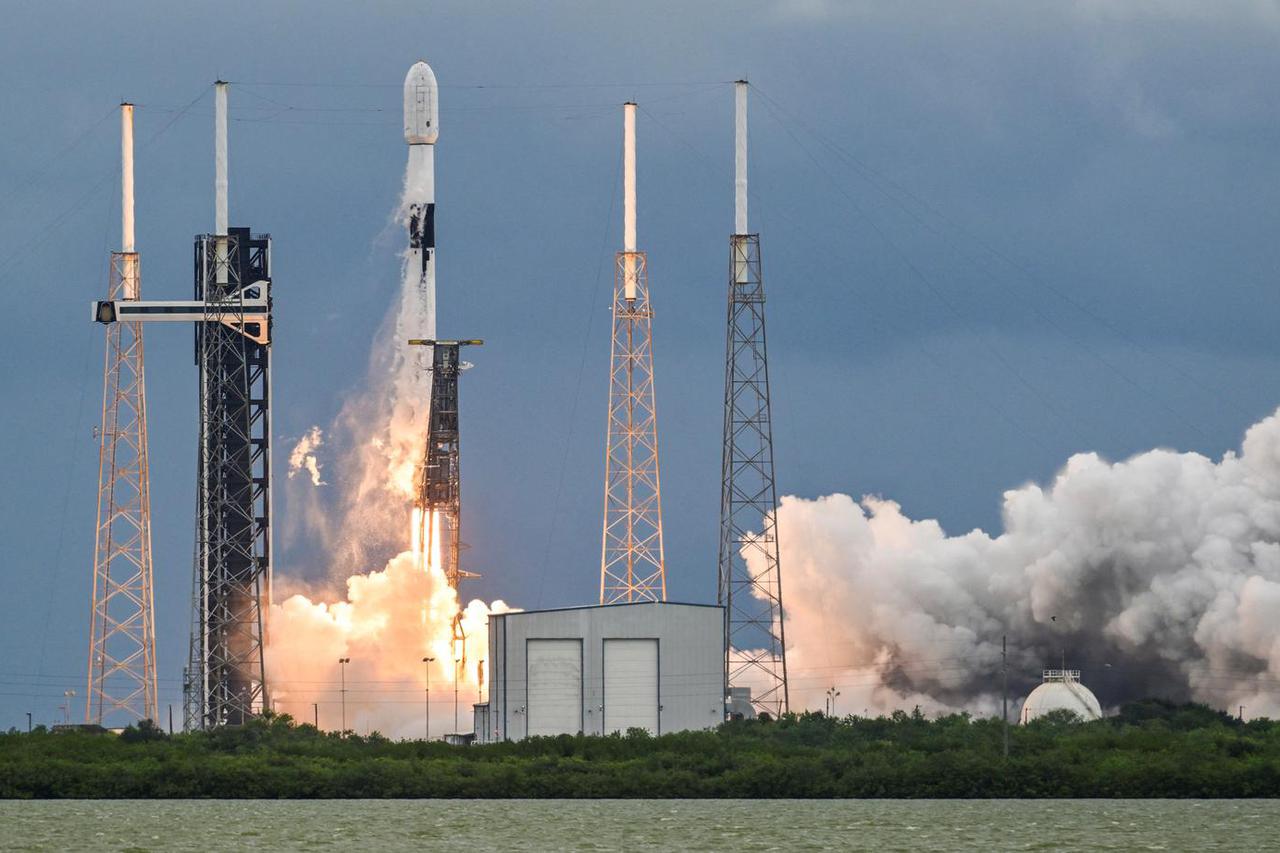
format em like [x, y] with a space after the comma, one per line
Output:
[750, 582]
[233, 474]
[632, 567]
[122, 647]
[439, 500]
[438, 507]
[233, 552]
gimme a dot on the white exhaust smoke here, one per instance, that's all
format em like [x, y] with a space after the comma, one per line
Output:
[304, 456]
[1158, 576]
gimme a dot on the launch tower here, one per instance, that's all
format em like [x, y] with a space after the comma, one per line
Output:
[122, 646]
[750, 581]
[631, 561]
[233, 474]
[439, 502]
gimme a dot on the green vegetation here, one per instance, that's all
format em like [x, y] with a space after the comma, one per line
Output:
[1151, 749]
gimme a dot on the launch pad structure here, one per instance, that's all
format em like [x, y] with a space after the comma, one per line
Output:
[224, 682]
[226, 668]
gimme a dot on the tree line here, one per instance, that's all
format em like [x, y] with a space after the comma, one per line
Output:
[1148, 749]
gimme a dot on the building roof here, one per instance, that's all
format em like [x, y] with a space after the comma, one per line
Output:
[615, 604]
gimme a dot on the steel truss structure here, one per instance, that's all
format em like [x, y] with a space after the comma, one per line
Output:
[233, 537]
[632, 567]
[750, 583]
[122, 647]
[440, 478]
[192, 673]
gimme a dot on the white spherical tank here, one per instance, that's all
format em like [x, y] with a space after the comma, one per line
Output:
[1061, 691]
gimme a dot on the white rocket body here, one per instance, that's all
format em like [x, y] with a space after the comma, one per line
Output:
[421, 130]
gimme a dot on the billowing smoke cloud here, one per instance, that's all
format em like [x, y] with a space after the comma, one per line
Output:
[387, 623]
[304, 458]
[1157, 576]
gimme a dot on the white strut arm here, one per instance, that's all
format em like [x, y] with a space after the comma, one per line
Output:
[249, 311]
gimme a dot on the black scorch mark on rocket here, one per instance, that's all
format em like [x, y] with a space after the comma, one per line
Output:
[422, 230]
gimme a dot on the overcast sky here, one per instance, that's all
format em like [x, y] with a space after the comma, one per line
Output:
[994, 234]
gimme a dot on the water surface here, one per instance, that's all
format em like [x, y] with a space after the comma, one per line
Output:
[732, 825]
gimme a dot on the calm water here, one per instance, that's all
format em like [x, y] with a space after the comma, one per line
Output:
[734, 825]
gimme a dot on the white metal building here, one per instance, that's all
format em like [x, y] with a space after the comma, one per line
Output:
[651, 665]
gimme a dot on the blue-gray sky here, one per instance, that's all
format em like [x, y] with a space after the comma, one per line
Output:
[994, 233]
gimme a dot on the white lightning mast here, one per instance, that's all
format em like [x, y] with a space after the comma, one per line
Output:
[220, 181]
[755, 646]
[122, 648]
[631, 560]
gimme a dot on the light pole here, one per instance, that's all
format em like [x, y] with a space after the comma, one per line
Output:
[832, 693]
[343, 664]
[315, 712]
[66, 709]
[427, 702]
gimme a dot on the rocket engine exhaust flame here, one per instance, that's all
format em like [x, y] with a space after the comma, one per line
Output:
[425, 537]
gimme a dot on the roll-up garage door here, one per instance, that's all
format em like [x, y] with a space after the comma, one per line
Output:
[554, 673]
[630, 685]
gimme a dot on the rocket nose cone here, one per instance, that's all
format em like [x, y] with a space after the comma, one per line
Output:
[421, 106]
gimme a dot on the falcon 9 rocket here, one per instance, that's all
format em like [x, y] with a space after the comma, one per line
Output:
[421, 129]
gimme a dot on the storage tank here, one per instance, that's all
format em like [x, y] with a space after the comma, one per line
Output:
[1061, 690]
